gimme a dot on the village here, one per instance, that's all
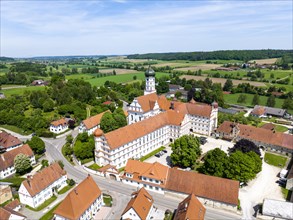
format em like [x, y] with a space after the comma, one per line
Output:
[154, 124]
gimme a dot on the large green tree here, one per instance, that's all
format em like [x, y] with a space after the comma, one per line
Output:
[255, 100]
[22, 163]
[84, 146]
[37, 145]
[288, 104]
[271, 101]
[215, 163]
[245, 146]
[112, 121]
[228, 85]
[185, 151]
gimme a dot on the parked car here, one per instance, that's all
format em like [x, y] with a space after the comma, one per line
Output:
[165, 151]
[161, 153]
[202, 140]
[157, 155]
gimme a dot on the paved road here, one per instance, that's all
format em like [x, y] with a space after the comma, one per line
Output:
[120, 192]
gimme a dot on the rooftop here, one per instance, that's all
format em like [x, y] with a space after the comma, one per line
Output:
[7, 140]
[94, 120]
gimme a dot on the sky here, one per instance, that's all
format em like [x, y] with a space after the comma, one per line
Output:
[120, 27]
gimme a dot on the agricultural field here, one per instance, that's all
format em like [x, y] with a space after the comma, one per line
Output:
[232, 99]
[123, 78]
[118, 71]
[20, 91]
[205, 66]
[222, 80]
[264, 61]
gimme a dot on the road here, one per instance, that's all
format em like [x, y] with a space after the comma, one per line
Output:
[120, 192]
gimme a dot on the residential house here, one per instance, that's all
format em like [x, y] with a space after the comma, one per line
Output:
[9, 214]
[173, 87]
[152, 176]
[269, 140]
[59, 126]
[268, 126]
[5, 193]
[83, 202]
[182, 92]
[140, 206]
[8, 141]
[90, 124]
[39, 82]
[277, 209]
[264, 111]
[14, 205]
[7, 160]
[210, 190]
[38, 188]
[190, 208]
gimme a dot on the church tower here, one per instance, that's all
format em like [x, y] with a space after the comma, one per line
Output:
[150, 82]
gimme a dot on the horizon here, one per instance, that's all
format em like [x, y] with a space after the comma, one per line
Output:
[123, 27]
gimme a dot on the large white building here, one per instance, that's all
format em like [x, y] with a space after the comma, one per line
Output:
[153, 121]
[38, 188]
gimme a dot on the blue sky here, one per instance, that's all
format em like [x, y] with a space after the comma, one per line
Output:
[88, 27]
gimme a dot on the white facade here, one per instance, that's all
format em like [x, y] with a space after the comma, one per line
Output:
[90, 212]
[131, 214]
[147, 183]
[150, 85]
[90, 131]
[58, 129]
[41, 197]
[11, 170]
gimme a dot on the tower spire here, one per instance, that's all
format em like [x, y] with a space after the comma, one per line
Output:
[150, 82]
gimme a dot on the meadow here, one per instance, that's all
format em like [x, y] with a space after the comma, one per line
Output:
[20, 91]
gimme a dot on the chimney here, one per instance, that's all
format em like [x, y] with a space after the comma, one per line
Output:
[75, 191]
[172, 106]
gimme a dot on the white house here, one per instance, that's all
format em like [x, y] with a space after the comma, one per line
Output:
[89, 125]
[82, 203]
[7, 160]
[59, 126]
[140, 206]
[36, 189]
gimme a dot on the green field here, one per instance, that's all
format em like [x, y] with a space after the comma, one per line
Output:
[20, 91]
[232, 99]
[275, 160]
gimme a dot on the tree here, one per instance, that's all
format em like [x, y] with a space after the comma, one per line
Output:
[288, 104]
[22, 164]
[215, 163]
[69, 139]
[271, 101]
[48, 105]
[241, 98]
[243, 166]
[245, 146]
[37, 145]
[61, 164]
[228, 85]
[186, 151]
[255, 100]
[178, 94]
[107, 122]
[45, 163]
[134, 77]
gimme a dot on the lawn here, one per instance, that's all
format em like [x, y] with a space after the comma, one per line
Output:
[44, 205]
[275, 160]
[281, 128]
[65, 189]
[151, 153]
[49, 215]
[232, 99]
[16, 181]
[15, 129]
[20, 91]
[94, 166]
[107, 199]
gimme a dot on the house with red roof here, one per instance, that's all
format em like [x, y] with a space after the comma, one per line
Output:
[59, 126]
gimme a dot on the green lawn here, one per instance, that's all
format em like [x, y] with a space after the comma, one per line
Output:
[232, 99]
[151, 153]
[20, 91]
[65, 189]
[280, 128]
[44, 205]
[107, 199]
[16, 181]
[94, 166]
[275, 160]
[15, 129]
[49, 215]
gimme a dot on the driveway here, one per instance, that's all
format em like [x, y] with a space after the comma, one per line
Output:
[264, 186]
[164, 159]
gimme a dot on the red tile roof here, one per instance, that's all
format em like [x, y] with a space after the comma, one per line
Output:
[5, 213]
[258, 111]
[41, 180]
[259, 134]
[190, 208]
[13, 204]
[204, 186]
[7, 140]
[61, 121]
[79, 199]
[94, 120]
[7, 158]
[141, 201]
[268, 126]
[133, 131]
